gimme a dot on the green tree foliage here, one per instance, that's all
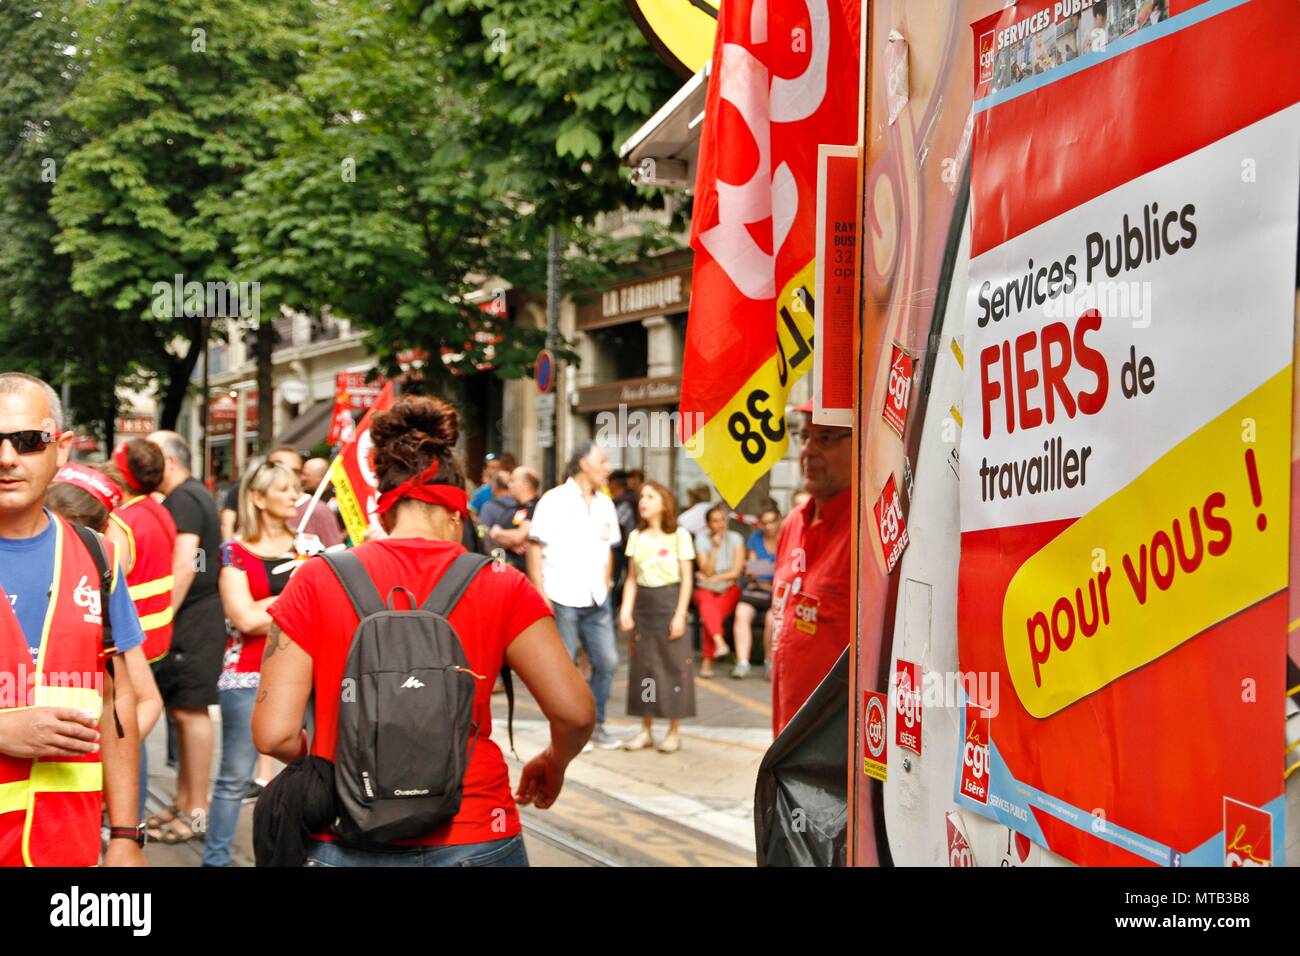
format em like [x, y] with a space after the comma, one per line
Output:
[166, 105]
[43, 321]
[424, 150]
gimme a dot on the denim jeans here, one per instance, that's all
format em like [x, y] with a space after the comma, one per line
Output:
[507, 852]
[593, 627]
[238, 759]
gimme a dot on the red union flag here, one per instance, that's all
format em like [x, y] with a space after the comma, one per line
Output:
[784, 80]
[355, 485]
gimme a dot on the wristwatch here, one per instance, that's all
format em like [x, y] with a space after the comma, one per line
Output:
[136, 833]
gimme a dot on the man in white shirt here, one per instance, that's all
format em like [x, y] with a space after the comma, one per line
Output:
[695, 518]
[570, 562]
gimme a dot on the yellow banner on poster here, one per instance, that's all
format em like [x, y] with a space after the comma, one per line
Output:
[1199, 536]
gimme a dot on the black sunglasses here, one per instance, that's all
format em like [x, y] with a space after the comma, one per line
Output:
[29, 440]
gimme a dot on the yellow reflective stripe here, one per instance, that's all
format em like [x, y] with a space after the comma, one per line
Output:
[148, 589]
[151, 621]
[126, 530]
[59, 776]
[13, 796]
[54, 596]
[78, 698]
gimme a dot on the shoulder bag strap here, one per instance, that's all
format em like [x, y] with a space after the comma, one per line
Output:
[454, 581]
[99, 555]
[447, 593]
[347, 567]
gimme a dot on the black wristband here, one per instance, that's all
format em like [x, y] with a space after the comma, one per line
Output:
[136, 834]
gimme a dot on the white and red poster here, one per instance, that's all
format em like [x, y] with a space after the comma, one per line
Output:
[1125, 479]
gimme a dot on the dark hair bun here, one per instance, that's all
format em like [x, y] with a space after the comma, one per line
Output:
[408, 437]
[147, 465]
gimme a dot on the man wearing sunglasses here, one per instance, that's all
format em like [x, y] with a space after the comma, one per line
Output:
[62, 754]
[810, 590]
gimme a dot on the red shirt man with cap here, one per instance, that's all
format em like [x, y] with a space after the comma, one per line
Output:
[810, 591]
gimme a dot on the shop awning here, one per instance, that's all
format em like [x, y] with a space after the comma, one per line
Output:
[663, 150]
[309, 429]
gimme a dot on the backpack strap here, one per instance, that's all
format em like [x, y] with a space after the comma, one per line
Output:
[347, 567]
[447, 593]
[99, 555]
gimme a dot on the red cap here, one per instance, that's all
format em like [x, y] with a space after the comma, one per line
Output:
[806, 407]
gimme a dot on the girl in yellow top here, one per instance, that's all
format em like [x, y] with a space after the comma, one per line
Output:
[655, 599]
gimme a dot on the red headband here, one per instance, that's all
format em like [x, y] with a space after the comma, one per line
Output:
[119, 459]
[416, 488]
[104, 489]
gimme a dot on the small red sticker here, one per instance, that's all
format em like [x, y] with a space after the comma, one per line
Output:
[898, 390]
[907, 706]
[975, 755]
[891, 525]
[874, 729]
[1247, 834]
[959, 851]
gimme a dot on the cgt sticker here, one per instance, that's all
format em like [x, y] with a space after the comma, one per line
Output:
[907, 706]
[804, 607]
[874, 726]
[959, 851]
[898, 390]
[890, 524]
[975, 755]
[1247, 834]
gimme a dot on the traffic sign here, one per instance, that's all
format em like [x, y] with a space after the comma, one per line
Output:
[544, 371]
[544, 406]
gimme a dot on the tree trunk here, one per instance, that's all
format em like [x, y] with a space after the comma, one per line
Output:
[264, 346]
[178, 378]
[110, 421]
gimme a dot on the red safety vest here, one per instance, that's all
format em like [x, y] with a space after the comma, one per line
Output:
[50, 807]
[151, 540]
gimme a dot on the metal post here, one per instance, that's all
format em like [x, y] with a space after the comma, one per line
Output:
[552, 340]
[206, 326]
[66, 397]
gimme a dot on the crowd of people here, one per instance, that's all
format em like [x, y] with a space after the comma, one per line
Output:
[246, 607]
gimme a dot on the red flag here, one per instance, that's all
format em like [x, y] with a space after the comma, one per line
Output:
[785, 79]
[355, 485]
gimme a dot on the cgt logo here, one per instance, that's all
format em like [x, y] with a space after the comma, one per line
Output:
[975, 755]
[874, 728]
[986, 48]
[959, 851]
[907, 705]
[1247, 834]
[87, 596]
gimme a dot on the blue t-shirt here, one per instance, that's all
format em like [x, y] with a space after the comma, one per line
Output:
[27, 574]
[755, 544]
[480, 497]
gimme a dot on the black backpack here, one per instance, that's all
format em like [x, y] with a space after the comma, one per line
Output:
[406, 730]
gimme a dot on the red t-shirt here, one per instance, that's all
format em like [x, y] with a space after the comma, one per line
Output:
[810, 602]
[500, 603]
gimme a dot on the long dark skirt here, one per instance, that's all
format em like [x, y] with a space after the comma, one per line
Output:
[660, 680]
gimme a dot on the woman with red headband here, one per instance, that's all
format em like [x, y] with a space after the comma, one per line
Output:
[500, 619]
